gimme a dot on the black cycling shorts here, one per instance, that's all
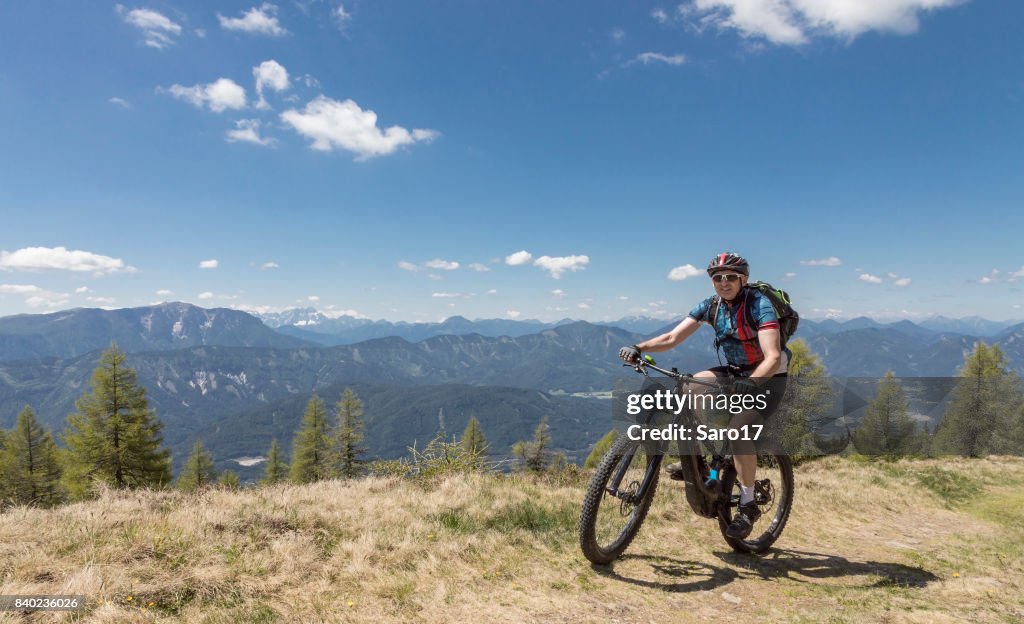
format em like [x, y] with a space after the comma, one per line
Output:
[776, 387]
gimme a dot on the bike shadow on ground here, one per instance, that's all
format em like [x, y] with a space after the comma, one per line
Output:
[780, 563]
[680, 576]
[689, 576]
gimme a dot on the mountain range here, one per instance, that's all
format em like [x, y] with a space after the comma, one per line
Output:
[76, 332]
[226, 377]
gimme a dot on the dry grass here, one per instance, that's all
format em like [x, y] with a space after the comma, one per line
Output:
[923, 541]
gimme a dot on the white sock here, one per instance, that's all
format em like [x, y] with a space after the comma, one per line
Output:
[746, 494]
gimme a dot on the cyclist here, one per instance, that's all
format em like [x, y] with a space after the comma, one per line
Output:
[747, 331]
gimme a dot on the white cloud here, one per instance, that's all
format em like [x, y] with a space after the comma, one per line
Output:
[513, 314]
[209, 264]
[659, 16]
[102, 300]
[991, 277]
[434, 276]
[158, 30]
[163, 292]
[260, 20]
[19, 289]
[313, 298]
[269, 74]
[442, 265]
[685, 271]
[1018, 273]
[217, 96]
[789, 275]
[655, 57]
[583, 306]
[623, 298]
[492, 291]
[618, 34]
[266, 266]
[828, 312]
[558, 292]
[795, 22]
[903, 282]
[831, 261]
[59, 258]
[35, 296]
[119, 102]
[247, 131]
[408, 266]
[341, 16]
[558, 265]
[447, 295]
[518, 258]
[332, 124]
[82, 289]
[206, 295]
[332, 312]
[871, 279]
[480, 268]
[258, 309]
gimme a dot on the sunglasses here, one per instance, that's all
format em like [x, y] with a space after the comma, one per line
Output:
[725, 277]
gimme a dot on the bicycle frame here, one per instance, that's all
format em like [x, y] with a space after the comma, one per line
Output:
[693, 456]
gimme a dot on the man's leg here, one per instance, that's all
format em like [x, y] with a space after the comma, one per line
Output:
[744, 451]
[745, 459]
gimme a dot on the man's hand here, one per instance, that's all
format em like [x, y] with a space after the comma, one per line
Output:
[630, 354]
[744, 386]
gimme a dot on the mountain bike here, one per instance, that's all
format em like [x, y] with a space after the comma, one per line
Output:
[622, 488]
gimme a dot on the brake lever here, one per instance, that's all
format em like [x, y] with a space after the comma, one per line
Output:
[638, 368]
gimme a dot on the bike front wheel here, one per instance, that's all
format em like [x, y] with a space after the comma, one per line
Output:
[617, 500]
[773, 493]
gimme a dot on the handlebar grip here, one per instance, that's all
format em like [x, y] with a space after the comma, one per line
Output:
[650, 360]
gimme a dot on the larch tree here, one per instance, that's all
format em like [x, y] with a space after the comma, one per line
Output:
[29, 464]
[311, 450]
[113, 436]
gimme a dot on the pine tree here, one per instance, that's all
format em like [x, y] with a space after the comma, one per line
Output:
[30, 468]
[600, 449]
[886, 428]
[982, 400]
[198, 471]
[474, 442]
[5, 489]
[348, 436]
[229, 480]
[276, 470]
[808, 393]
[114, 436]
[311, 449]
[534, 453]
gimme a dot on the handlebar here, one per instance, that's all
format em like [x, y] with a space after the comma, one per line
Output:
[644, 362]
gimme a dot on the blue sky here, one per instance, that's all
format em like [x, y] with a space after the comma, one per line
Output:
[866, 156]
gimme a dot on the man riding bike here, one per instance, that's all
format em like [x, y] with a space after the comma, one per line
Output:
[747, 330]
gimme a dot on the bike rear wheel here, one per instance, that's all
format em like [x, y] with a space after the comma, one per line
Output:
[773, 491]
[617, 500]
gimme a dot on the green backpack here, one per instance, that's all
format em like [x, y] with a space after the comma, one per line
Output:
[783, 305]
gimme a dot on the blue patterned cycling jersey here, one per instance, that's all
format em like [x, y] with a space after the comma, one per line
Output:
[736, 327]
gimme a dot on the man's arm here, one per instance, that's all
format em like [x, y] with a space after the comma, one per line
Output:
[769, 341]
[671, 339]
